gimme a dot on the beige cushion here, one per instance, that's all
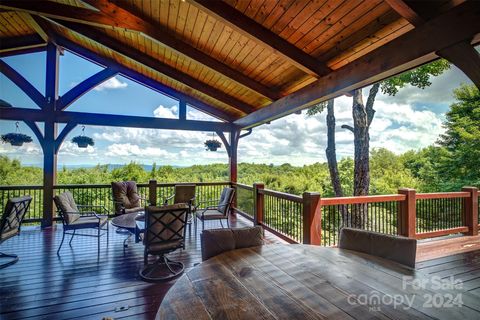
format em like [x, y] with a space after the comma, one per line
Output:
[211, 214]
[400, 249]
[184, 193]
[217, 241]
[13, 215]
[90, 220]
[125, 193]
[65, 203]
[225, 199]
[156, 234]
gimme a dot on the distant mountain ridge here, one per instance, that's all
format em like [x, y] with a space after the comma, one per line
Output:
[146, 167]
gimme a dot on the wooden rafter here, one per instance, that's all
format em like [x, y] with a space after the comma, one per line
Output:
[410, 50]
[152, 63]
[19, 43]
[406, 12]
[119, 15]
[142, 79]
[83, 87]
[250, 28]
[23, 84]
[99, 119]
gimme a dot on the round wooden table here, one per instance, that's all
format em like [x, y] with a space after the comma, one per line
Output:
[308, 282]
[128, 222]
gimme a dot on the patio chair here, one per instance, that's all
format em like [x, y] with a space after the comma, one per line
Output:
[10, 224]
[399, 249]
[164, 233]
[217, 241]
[73, 218]
[184, 193]
[220, 211]
[126, 198]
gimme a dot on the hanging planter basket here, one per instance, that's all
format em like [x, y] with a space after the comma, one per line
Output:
[16, 138]
[82, 141]
[212, 145]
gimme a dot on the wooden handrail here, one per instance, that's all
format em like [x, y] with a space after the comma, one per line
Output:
[443, 195]
[242, 186]
[281, 195]
[362, 199]
[440, 233]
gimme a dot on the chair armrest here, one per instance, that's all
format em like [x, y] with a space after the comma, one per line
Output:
[207, 201]
[168, 198]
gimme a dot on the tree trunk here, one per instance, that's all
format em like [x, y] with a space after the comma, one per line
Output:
[361, 141]
[331, 150]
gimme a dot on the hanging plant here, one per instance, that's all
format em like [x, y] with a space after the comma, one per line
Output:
[212, 144]
[82, 140]
[16, 138]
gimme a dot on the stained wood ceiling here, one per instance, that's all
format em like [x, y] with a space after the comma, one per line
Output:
[237, 56]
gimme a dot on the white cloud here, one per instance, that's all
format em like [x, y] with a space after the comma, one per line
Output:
[111, 84]
[69, 148]
[164, 112]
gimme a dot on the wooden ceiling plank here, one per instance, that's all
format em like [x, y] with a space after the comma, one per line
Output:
[250, 28]
[156, 65]
[120, 12]
[141, 78]
[466, 58]
[23, 42]
[403, 53]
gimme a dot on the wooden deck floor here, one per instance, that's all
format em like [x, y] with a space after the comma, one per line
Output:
[78, 285]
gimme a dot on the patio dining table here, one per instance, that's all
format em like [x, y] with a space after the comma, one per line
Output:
[310, 282]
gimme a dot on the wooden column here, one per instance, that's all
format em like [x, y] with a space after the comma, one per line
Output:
[152, 192]
[232, 161]
[407, 213]
[182, 110]
[50, 133]
[312, 218]
[470, 210]
[258, 203]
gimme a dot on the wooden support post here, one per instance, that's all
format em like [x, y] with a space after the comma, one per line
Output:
[182, 110]
[232, 160]
[50, 133]
[312, 218]
[407, 213]
[152, 192]
[258, 203]
[470, 210]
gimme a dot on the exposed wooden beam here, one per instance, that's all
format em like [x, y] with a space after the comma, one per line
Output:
[250, 28]
[466, 58]
[462, 54]
[23, 42]
[408, 51]
[23, 84]
[17, 52]
[120, 15]
[406, 12]
[85, 86]
[142, 79]
[99, 119]
[152, 63]
[121, 12]
[182, 110]
[36, 131]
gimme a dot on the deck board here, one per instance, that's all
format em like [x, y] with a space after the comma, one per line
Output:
[81, 285]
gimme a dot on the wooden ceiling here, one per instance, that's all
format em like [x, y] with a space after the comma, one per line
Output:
[236, 58]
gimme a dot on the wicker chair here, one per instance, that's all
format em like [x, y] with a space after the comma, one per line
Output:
[217, 241]
[184, 193]
[220, 211]
[164, 233]
[126, 198]
[10, 224]
[73, 218]
[399, 249]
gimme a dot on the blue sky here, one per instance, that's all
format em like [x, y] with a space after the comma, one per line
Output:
[410, 120]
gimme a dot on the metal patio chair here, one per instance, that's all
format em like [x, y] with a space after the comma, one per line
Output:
[12, 219]
[184, 193]
[220, 211]
[74, 219]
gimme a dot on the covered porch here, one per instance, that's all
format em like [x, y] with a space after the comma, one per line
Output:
[246, 65]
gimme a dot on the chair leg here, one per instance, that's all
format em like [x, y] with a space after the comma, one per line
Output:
[107, 233]
[98, 239]
[61, 243]
[228, 223]
[203, 225]
[13, 259]
[70, 242]
[221, 223]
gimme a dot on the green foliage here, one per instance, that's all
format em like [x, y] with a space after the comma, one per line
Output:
[419, 77]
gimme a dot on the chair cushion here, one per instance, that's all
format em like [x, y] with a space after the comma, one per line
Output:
[225, 199]
[125, 192]
[211, 214]
[400, 249]
[217, 241]
[8, 234]
[165, 224]
[184, 193]
[136, 209]
[13, 215]
[65, 203]
[89, 220]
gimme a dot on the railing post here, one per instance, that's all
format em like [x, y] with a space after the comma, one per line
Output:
[152, 192]
[312, 218]
[470, 211]
[258, 203]
[407, 213]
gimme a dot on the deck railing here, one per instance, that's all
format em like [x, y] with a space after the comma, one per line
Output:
[307, 218]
